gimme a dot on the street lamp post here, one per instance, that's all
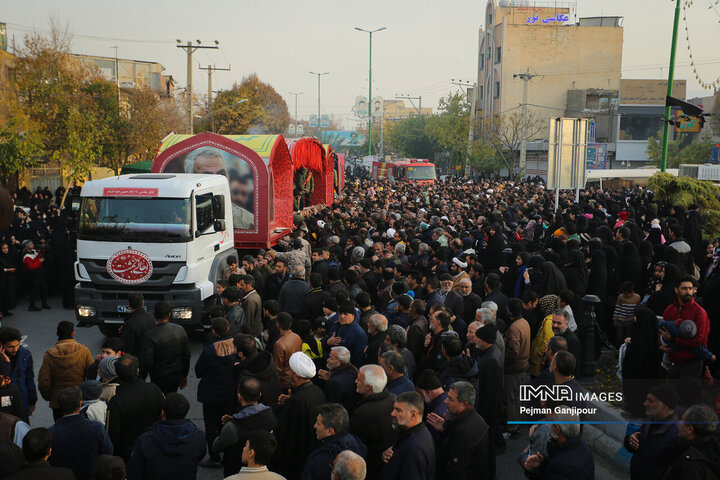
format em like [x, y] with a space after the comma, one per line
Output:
[370, 32]
[318, 119]
[296, 118]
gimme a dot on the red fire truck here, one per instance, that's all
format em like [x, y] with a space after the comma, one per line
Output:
[412, 170]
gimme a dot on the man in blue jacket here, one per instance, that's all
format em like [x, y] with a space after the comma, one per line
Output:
[214, 368]
[77, 442]
[413, 455]
[347, 333]
[172, 448]
[331, 428]
[16, 362]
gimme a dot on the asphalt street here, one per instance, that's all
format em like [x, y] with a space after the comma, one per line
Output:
[39, 327]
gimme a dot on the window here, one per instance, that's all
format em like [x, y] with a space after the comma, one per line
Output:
[638, 127]
[489, 19]
[498, 54]
[204, 209]
[482, 61]
[497, 89]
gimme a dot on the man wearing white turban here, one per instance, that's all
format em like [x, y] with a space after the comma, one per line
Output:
[296, 417]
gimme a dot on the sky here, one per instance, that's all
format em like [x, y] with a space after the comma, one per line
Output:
[426, 46]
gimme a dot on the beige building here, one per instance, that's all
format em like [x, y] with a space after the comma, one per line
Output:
[131, 74]
[397, 109]
[547, 41]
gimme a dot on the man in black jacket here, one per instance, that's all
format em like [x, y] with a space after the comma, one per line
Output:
[371, 421]
[172, 448]
[37, 446]
[136, 325]
[252, 416]
[340, 378]
[413, 455]
[296, 417]
[560, 327]
[135, 406]
[257, 364]
[166, 354]
[490, 379]
[331, 428]
[465, 446]
[698, 449]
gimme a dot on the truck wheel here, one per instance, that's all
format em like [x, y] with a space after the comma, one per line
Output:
[109, 330]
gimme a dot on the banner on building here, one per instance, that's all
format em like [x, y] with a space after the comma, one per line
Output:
[596, 156]
[339, 138]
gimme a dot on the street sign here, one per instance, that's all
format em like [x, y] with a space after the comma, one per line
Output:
[291, 129]
[300, 129]
[313, 120]
[324, 120]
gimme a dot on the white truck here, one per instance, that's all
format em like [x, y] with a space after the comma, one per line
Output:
[166, 236]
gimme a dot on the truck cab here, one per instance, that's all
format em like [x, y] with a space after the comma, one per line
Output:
[166, 236]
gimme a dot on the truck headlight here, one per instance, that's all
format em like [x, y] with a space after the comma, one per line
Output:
[86, 311]
[182, 313]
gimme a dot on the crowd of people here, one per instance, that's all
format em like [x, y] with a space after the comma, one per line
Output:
[389, 336]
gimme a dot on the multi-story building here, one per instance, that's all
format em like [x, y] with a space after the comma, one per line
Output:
[130, 74]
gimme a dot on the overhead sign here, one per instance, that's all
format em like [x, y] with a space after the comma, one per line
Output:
[300, 129]
[338, 138]
[324, 120]
[567, 152]
[291, 129]
[378, 107]
[557, 18]
[313, 120]
[361, 105]
[129, 192]
[130, 267]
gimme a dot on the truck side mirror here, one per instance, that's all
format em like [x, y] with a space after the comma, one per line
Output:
[219, 225]
[218, 206]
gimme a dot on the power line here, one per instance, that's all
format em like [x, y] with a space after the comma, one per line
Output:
[27, 29]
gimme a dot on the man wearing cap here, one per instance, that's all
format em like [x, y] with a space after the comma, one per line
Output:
[347, 332]
[430, 389]
[296, 417]
[652, 445]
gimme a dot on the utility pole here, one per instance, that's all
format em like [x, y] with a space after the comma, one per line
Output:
[671, 74]
[210, 69]
[295, 118]
[471, 129]
[525, 77]
[117, 73]
[189, 50]
[318, 119]
[370, 32]
[407, 97]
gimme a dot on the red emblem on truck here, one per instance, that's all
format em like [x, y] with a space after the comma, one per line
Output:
[130, 267]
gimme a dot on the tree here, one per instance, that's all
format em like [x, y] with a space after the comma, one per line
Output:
[714, 120]
[684, 191]
[505, 134]
[679, 150]
[449, 128]
[264, 112]
[53, 92]
[20, 141]
[408, 137]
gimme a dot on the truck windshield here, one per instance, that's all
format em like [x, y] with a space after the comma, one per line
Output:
[421, 173]
[111, 219]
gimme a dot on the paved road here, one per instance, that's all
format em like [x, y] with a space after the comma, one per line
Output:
[40, 330]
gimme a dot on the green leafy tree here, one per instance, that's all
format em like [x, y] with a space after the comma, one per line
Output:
[684, 191]
[449, 128]
[408, 137]
[53, 91]
[264, 112]
[679, 150]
